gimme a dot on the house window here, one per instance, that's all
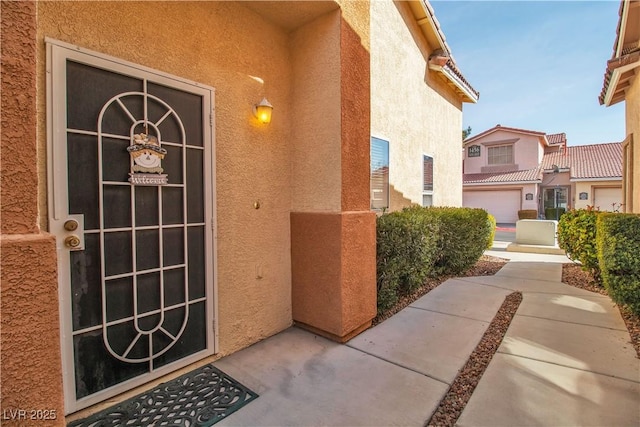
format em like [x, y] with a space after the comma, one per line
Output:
[427, 180]
[501, 155]
[379, 173]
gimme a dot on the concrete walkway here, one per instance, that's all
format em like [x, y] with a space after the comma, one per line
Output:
[565, 360]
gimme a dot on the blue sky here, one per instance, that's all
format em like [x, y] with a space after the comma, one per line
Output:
[538, 65]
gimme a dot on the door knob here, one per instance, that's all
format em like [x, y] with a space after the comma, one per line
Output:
[71, 225]
[72, 241]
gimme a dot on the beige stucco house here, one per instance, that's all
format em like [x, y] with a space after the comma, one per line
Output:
[510, 169]
[153, 220]
[621, 84]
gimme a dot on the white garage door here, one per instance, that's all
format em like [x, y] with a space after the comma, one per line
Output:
[607, 199]
[504, 205]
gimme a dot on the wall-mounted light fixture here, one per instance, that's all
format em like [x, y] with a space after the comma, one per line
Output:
[263, 110]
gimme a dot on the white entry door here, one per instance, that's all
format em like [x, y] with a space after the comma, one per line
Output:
[131, 202]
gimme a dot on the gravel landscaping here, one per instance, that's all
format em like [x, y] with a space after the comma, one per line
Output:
[467, 379]
[465, 382]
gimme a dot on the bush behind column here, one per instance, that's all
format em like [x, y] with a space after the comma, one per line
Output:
[464, 236]
[618, 247]
[406, 250]
[417, 243]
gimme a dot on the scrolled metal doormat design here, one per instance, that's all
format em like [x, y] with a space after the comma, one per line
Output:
[200, 398]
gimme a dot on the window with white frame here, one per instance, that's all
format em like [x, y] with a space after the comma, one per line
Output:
[379, 174]
[500, 155]
[427, 180]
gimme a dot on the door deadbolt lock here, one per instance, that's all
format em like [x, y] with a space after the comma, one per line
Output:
[71, 225]
[72, 241]
[70, 231]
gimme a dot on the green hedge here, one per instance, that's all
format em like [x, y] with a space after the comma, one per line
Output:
[577, 237]
[618, 242]
[464, 235]
[492, 230]
[405, 254]
[417, 243]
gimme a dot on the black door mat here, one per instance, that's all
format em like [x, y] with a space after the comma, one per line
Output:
[200, 398]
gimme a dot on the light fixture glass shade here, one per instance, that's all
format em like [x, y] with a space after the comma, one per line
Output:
[263, 110]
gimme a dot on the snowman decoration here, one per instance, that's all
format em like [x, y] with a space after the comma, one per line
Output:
[147, 155]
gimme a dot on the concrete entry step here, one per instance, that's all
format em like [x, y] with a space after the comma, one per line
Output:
[535, 249]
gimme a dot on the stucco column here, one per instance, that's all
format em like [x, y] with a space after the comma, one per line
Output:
[333, 242]
[31, 374]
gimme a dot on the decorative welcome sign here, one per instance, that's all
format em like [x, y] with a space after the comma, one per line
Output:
[147, 155]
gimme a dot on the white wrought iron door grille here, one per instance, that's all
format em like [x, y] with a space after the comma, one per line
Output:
[156, 324]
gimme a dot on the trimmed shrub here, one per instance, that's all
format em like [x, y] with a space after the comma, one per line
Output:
[618, 242]
[406, 250]
[554, 213]
[417, 243]
[492, 230]
[528, 214]
[463, 237]
[577, 237]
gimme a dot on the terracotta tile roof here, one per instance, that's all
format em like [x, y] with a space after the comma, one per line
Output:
[529, 175]
[629, 54]
[451, 63]
[614, 63]
[588, 161]
[583, 162]
[557, 138]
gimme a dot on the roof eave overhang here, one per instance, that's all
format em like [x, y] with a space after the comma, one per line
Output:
[465, 91]
[424, 15]
[620, 68]
[609, 178]
[620, 80]
[622, 27]
[478, 184]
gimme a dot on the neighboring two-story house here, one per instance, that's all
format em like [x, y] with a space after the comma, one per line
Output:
[120, 270]
[509, 169]
[621, 84]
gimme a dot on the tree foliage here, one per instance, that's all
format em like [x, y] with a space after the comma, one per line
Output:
[466, 132]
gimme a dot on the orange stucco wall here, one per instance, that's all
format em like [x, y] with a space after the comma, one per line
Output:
[317, 78]
[19, 208]
[30, 357]
[213, 43]
[333, 272]
[355, 120]
[315, 131]
[632, 121]
[332, 230]
[30, 378]
[359, 293]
